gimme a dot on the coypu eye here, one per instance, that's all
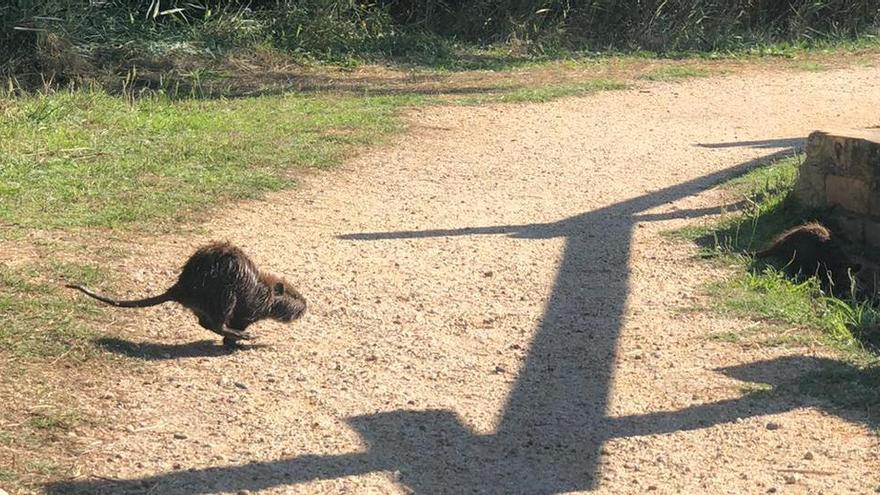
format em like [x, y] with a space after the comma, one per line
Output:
[279, 289]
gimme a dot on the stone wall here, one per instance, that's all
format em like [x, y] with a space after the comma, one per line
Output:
[841, 174]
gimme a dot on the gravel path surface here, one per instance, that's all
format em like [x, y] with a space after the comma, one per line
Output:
[493, 310]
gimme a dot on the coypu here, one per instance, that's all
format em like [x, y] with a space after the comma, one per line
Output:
[226, 291]
[812, 249]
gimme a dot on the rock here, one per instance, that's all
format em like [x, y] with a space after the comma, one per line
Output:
[791, 479]
[773, 426]
[241, 385]
[180, 436]
[772, 489]
[809, 456]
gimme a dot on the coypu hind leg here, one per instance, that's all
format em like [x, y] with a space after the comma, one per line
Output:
[219, 322]
[232, 335]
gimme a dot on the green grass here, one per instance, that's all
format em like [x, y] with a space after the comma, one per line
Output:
[763, 209]
[811, 67]
[40, 318]
[763, 291]
[59, 421]
[674, 72]
[7, 476]
[789, 313]
[88, 159]
[544, 93]
[43, 467]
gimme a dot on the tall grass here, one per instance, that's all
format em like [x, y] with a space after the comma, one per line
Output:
[67, 37]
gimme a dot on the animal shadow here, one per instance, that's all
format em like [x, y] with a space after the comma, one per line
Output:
[159, 352]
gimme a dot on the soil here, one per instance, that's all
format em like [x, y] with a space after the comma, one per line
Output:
[493, 309]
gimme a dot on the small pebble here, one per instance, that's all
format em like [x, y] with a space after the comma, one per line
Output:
[180, 436]
[773, 426]
[241, 385]
[499, 369]
[772, 490]
[791, 479]
[488, 274]
[809, 456]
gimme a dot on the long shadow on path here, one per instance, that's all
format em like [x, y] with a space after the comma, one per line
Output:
[554, 423]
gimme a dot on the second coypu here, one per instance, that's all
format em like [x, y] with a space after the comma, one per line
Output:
[226, 291]
[812, 249]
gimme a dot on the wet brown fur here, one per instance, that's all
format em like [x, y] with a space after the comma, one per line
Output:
[226, 291]
[810, 249]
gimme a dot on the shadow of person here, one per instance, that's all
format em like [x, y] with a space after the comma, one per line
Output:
[554, 422]
[841, 388]
[157, 352]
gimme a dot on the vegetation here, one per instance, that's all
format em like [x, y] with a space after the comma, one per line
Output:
[39, 321]
[786, 312]
[761, 290]
[68, 39]
[123, 113]
[85, 158]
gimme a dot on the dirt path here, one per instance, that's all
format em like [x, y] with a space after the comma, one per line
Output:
[493, 310]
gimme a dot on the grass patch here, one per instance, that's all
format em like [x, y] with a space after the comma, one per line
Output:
[41, 321]
[7, 476]
[790, 313]
[763, 210]
[759, 290]
[811, 67]
[674, 72]
[55, 421]
[85, 158]
[546, 93]
[43, 467]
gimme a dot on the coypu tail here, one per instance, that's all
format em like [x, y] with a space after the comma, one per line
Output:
[139, 303]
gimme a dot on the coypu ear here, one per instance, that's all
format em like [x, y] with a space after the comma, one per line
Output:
[279, 289]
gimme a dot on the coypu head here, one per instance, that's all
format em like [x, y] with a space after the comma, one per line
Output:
[287, 303]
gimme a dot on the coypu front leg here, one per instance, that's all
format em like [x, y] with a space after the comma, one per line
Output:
[218, 323]
[223, 330]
